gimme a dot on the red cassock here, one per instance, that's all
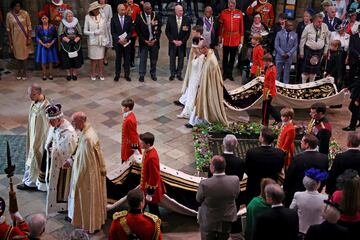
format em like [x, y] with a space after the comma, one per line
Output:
[266, 11]
[133, 10]
[20, 231]
[56, 12]
[270, 81]
[231, 27]
[151, 182]
[286, 142]
[257, 60]
[145, 225]
[129, 138]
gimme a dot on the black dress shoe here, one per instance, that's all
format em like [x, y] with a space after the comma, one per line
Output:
[188, 125]
[116, 78]
[180, 78]
[178, 103]
[74, 77]
[349, 129]
[25, 187]
[171, 78]
[128, 78]
[358, 125]
[153, 77]
[141, 79]
[68, 78]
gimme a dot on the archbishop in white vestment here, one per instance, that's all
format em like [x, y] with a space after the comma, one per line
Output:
[87, 199]
[61, 144]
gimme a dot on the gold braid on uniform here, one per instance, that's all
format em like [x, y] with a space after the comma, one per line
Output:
[157, 222]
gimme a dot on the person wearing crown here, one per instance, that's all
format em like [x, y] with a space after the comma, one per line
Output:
[55, 10]
[60, 145]
[265, 9]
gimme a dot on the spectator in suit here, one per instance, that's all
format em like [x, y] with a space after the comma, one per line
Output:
[262, 162]
[177, 30]
[280, 25]
[309, 204]
[331, 20]
[217, 211]
[299, 30]
[121, 25]
[354, 56]
[329, 229]
[278, 223]
[349, 200]
[309, 158]
[210, 26]
[286, 44]
[349, 159]
[148, 28]
[256, 207]
[354, 106]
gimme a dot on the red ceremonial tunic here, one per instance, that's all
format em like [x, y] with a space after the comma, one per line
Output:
[286, 141]
[8, 232]
[266, 11]
[133, 11]
[150, 176]
[257, 60]
[145, 225]
[270, 81]
[231, 27]
[129, 137]
[56, 12]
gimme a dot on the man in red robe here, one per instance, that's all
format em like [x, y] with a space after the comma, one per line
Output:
[287, 134]
[151, 183]
[135, 222]
[55, 10]
[129, 138]
[265, 9]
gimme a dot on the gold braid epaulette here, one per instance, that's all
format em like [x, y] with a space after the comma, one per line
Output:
[121, 214]
[157, 222]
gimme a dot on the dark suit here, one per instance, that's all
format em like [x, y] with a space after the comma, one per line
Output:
[296, 172]
[183, 35]
[143, 33]
[214, 33]
[331, 25]
[218, 209]
[278, 223]
[120, 50]
[262, 162]
[349, 159]
[354, 57]
[327, 231]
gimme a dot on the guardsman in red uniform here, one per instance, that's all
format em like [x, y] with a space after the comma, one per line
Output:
[56, 9]
[231, 35]
[8, 232]
[257, 67]
[151, 183]
[129, 138]
[269, 91]
[144, 226]
[133, 10]
[320, 127]
[287, 135]
[265, 9]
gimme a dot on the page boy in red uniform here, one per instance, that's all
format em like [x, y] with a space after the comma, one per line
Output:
[257, 67]
[287, 134]
[129, 138]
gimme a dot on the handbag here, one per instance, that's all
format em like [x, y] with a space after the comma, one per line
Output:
[72, 54]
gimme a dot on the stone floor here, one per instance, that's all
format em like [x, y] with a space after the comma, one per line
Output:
[100, 100]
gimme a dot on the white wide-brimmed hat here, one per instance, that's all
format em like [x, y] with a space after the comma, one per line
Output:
[93, 6]
[57, 2]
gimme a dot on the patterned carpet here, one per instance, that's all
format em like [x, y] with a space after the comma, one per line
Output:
[17, 145]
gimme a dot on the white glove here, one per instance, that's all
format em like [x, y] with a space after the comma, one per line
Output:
[240, 47]
[254, 3]
[17, 216]
[148, 198]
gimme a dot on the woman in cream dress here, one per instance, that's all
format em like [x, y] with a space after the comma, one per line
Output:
[107, 13]
[95, 28]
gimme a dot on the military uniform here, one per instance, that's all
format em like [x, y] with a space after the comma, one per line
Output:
[130, 138]
[8, 232]
[232, 33]
[322, 130]
[266, 11]
[55, 12]
[145, 226]
[269, 92]
[286, 141]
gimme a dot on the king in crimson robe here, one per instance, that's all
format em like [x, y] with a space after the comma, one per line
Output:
[87, 199]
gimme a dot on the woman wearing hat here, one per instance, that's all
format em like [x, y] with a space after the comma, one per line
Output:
[95, 27]
[309, 204]
[46, 52]
[353, 25]
[70, 36]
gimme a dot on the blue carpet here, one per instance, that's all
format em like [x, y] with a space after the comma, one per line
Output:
[17, 145]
